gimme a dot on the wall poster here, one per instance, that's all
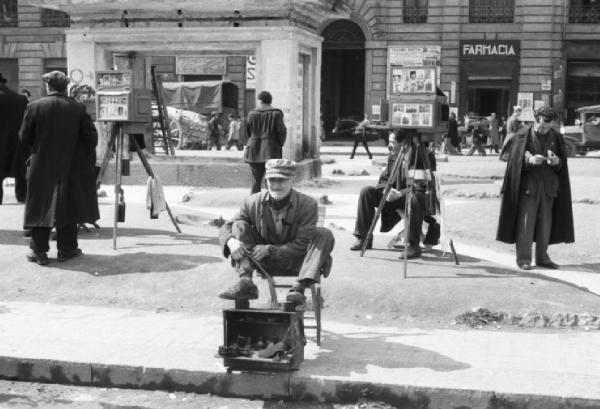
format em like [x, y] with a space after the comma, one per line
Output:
[525, 100]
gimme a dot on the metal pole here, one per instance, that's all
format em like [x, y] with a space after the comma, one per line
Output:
[118, 151]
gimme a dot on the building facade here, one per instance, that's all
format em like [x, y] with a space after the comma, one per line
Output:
[330, 59]
[32, 42]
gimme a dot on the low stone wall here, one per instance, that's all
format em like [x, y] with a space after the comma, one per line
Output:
[201, 171]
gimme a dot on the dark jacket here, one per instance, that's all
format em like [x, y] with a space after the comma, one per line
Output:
[453, 132]
[298, 229]
[266, 134]
[512, 189]
[12, 154]
[61, 137]
[389, 216]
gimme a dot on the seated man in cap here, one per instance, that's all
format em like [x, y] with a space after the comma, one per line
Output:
[278, 229]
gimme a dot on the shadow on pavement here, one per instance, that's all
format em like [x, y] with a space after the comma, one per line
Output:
[345, 354]
[12, 237]
[584, 267]
[103, 265]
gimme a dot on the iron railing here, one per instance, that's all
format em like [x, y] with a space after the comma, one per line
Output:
[54, 18]
[499, 11]
[415, 14]
[584, 14]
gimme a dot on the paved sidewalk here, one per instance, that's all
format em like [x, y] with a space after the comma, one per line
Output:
[448, 368]
[415, 368]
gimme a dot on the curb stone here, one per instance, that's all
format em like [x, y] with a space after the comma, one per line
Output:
[274, 386]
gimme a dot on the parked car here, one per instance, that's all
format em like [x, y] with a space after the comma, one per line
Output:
[580, 139]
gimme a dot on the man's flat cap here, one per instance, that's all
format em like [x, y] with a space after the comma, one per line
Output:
[280, 168]
[55, 77]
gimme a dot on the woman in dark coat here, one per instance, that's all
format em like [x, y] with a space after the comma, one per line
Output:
[59, 133]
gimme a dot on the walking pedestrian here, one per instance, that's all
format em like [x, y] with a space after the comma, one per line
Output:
[266, 134]
[513, 125]
[58, 130]
[478, 138]
[494, 133]
[12, 153]
[452, 141]
[234, 133]
[360, 135]
[214, 132]
[536, 194]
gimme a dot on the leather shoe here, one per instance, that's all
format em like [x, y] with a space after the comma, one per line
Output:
[411, 253]
[296, 297]
[67, 255]
[524, 266]
[244, 289]
[357, 246]
[37, 257]
[549, 264]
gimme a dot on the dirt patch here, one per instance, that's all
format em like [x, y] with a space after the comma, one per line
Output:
[482, 317]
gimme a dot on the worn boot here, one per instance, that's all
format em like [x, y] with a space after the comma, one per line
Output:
[244, 289]
[357, 246]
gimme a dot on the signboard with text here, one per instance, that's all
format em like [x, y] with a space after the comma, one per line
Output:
[414, 55]
[475, 49]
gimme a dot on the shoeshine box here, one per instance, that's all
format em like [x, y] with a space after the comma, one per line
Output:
[257, 329]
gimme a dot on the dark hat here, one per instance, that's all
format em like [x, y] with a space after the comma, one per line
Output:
[2, 79]
[280, 168]
[55, 77]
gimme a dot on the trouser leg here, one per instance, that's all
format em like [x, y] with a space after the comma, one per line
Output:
[40, 238]
[472, 150]
[356, 140]
[1, 190]
[417, 213]
[364, 142]
[526, 224]
[258, 172]
[543, 228]
[66, 237]
[318, 251]
[368, 200]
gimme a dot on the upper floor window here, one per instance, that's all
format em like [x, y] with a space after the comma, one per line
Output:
[9, 16]
[584, 11]
[54, 18]
[491, 11]
[415, 11]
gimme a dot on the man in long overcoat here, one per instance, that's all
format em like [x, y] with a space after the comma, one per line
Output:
[62, 138]
[266, 134]
[12, 154]
[536, 194]
[277, 228]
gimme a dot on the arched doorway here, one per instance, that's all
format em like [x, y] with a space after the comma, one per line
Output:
[342, 73]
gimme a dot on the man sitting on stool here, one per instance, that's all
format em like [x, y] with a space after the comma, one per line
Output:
[370, 197]
[278, 229]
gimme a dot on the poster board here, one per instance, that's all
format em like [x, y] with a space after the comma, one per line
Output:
[416, 114]
[412, 80]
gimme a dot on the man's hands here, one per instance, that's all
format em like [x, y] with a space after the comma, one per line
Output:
[537, 159]
[236, 249]
[260, 251]
[552, 158]
[395, 194]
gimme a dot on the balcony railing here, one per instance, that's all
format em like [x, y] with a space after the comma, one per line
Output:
[492, 14]
[584, 14]
[415, 14]
[8, 13]
[54, 18]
